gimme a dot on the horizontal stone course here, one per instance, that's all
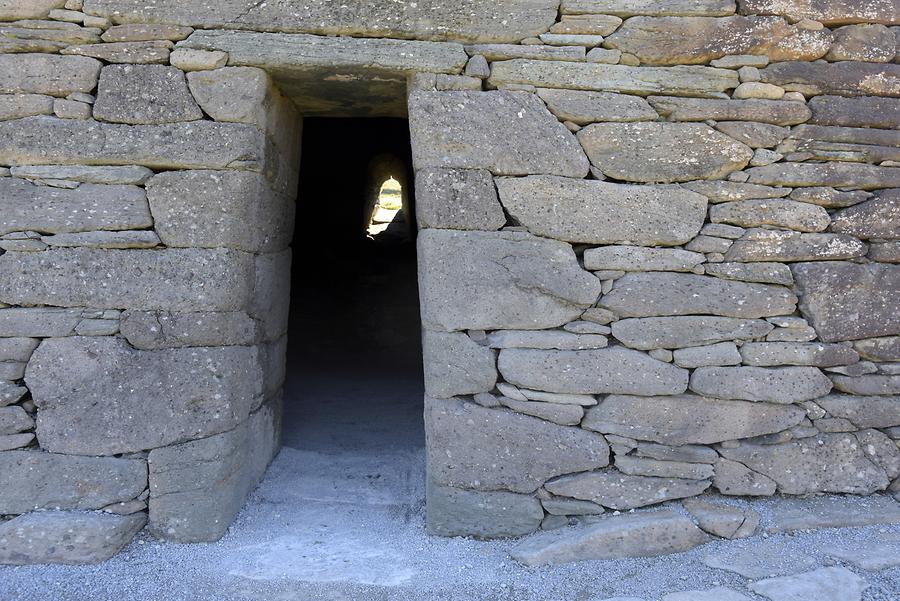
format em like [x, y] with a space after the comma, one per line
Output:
[615, 490]
[686, 331]
[627, 8]
[153, 330]
[844, 78]
[786, 246]
[775, 385]
[144, 95]
[47, 74]
[498, 514]
[583, 107]
[776, 112]
[830, 12]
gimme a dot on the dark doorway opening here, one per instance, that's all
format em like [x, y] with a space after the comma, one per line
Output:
[354, 361]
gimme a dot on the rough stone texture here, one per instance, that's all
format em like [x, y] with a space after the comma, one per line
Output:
[38, 322]
[28, 207]
[827, 584]
[545, 339]
[642, 535]
[47, 74]
[644, 81]
[80, 173]
[507, 133]
[14, 10]
[235, 94]
[697, 40]
[144, 95]
[483, 20]
[775, 212]
[137, 279]
[626, 8]
[456, 365]
[848, 301]
[845, 78]
[688, 331]
[783, 246]
[723, 353]
[614, 370]
[139, 53]
[458, 512]
[14, 420]
[38, 480]
[662, 294]
[197, 209]
[829, 197]
[457, 199]
[837, 175]
[116, 240]
[876, 218]
[466, 442]
[688, 419]
[830, 12]
[618, 491]
[189, 59]
[868, 385]
[776, 385]
[824, 463]
[635, 258]
[754, 135]
[788, 515]
[16, 106]
[759, 111]
[763, 273]
[870, 111]
[584, 107]
[145, 33]
[66, 537]
[733, 478]
[642, 466]
[874, 349]
[662, 152]
[153, 330]
[562, 414]
[689, 453]
[722, 520]
[720, 191]
[499, 280]
[197, 488]
[173, 395]
[770, 354]
[603, 213]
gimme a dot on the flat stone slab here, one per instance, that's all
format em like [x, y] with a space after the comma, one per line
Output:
[788, 515]
[619, 491]
[688, 419]
[507, 133]
[635, 258]
[718, 593]
[38, 480]
[627, 8]
[782, 213]
[834, 174]
[153, 330]
[595, 212]
[825, 584]
[180, 394]
[686, 331]
[876, 218]
[483, 515]
[771, 354]
[49, 74]
[640, 535]
[17, 106]
[760, 559]
[830, 12]
[584, 107]
[872, 557]
[500, 280]
[772, 384]
[843, 78]
[38, 322]
[760, 245]
[82, 173]
[144, 95]
[467, 442]
[863, 411]
[67, 537]
[762, 116]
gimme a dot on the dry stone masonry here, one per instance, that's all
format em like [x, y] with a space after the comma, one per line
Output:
[659, 258]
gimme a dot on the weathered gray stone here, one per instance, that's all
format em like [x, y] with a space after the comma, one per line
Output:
[17, 348]
[845, 78]
[874, 349]
[733, 478]
[81, 173]
[723, 231]
[14, 420]
[867, 385]
[145, 33]
[722, 520]
[479, 130]
[210, 209]
[584, 107]
[627, 8]
[697, 40]
[235, 94]
[829, 197]
[456, 365]
[769, 354]
[271, 295]
[661, 294]
[132, 53]
[763, 273]
[870, 111]
[560, 506]
[827, 584]
[830, 12]
[849, 135]
[66, 537]
[869, 556]
[10, 393]
[457, 199]
[38, 480]
[502, 52]
[587, 24]
[180, 394]
[457, 512]
[219, 279]
[47, 74]
[153, 330]
[635, 258]
[688, 419]
[685, 80]
[876, 218]
[17, 106]
[642, 466]
[466, 444]
[885, 252]
[662, 152]
[38, 322]
[837, 175]
[687, 331]
[601, 213]
[197, 145]
[762, 559]
[688, 453]
[190, 59]
[754, 135]
[117, 240]
[15, 441]
[759, 111]
[775, 212]
[562, 414]
[788, 515]
[14, 10]
[25, 206]
[503, 21]
[614, 370]
[640, 535]
[881, 450]
[144, 95]
[720, 191]
[197, 488]
[618, 491]
[499, 280]
[545, 339]
[723, 353]
[783, 246]
[776, 385]
[824, 463]
[719, 593]
[848, 301]
[584, 400]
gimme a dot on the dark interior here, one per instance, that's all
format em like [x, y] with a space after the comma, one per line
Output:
[354, 364]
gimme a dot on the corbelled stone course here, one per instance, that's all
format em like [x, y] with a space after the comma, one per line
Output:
[47, 74]
[466, 442]
[603, 213]
[500, 280]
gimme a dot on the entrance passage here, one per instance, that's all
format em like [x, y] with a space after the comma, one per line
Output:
[354, 363]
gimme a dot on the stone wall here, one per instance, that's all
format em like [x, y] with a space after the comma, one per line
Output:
[658, 254]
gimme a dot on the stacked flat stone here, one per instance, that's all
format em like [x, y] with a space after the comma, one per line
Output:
[660, 255]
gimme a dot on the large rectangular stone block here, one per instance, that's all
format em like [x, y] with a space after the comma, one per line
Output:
[830, 12]
[171, 395]
[197, 488]
[152, 330]
[173, 279]
[49, 74]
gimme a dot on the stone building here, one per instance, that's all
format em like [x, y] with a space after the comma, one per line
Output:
[658, 252]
